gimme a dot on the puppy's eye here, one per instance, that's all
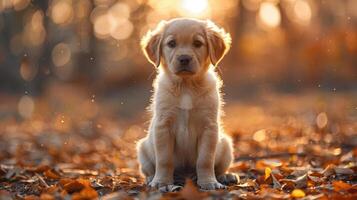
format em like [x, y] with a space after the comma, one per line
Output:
[171, 44]
[197, 43]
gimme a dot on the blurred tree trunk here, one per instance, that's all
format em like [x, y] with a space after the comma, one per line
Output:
[10, 79]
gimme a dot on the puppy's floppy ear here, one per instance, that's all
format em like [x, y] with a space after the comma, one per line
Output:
[218, 40]
[151, 44]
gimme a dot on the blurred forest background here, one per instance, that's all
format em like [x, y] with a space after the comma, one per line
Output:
[74, 86]
[287, 45]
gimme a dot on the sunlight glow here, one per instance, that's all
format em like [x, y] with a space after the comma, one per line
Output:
[26, 106]
[61, 54]
[302, 11]
[269, 14]
[194, 7]
[62, 12]
[321, 120]
[260, 135]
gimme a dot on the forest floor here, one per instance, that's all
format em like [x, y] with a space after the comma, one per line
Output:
[286, 146]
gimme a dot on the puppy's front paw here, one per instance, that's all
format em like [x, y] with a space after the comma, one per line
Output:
[163, 185]
[211, 186]
[228, 179]
[170, 188]
[149, 179]
[157, 184]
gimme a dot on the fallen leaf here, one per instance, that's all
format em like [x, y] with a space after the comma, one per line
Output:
[46, 196]
[190, 191]
[51, 189]
[86, 193]
[344, 171]
[84, 182]
[31, 197]
[316, 174]
[52, 174]
[329, 170]
[65, 181]
[271, 163]
[267, 173]
[297, 193]
[287, 184]
[73, 186]
[301, 182]
[276, 183]
[239, 166]
[40, 168]
[348, 157]
[115, 196]
[341, 186]
[249, 185]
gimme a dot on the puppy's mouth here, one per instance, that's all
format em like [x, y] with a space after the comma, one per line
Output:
[184, 71]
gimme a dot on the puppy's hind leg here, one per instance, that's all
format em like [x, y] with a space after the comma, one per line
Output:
[224, 157]
[147, 166]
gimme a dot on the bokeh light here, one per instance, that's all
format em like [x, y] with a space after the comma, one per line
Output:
[260, 135]
[321, 120]
[27, 71]
[122, 29]
[20, 4]
[193, 7]
[26, 106]
[302, 11]
[269, 14]
[35, 33]
[62, 12]
[102, 26]
[119, 11]
[112, 22]
[61, 54]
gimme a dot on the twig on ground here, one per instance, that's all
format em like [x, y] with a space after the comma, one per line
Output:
[42, 181]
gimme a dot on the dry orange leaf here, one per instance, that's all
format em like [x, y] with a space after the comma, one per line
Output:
[52, 174]
[51, 189]
[84, 182]
[267, 173]
[297, 193]
[249, 184]
[341, 186]
[41, 168]
[65, 181]
[31, 197]
[288, 184]
[73, 186]
[46, 196]
[190, 191]
[239, 166]
[86, 193]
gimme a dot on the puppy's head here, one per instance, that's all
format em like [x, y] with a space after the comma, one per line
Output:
[186, 47]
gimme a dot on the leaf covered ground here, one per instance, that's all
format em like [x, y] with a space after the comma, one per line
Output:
[286, 146]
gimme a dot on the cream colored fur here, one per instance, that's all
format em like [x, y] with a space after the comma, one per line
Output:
[185, 133]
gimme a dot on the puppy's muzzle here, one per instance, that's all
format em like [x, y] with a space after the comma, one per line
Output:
[184, 65]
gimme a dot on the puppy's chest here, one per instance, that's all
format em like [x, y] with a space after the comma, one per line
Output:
[187, 122]
[185, 111]
[185, 101]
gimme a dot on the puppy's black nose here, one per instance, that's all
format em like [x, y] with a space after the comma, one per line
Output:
[184, 59]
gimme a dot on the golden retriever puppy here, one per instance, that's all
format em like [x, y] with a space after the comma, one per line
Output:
[185, 137]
